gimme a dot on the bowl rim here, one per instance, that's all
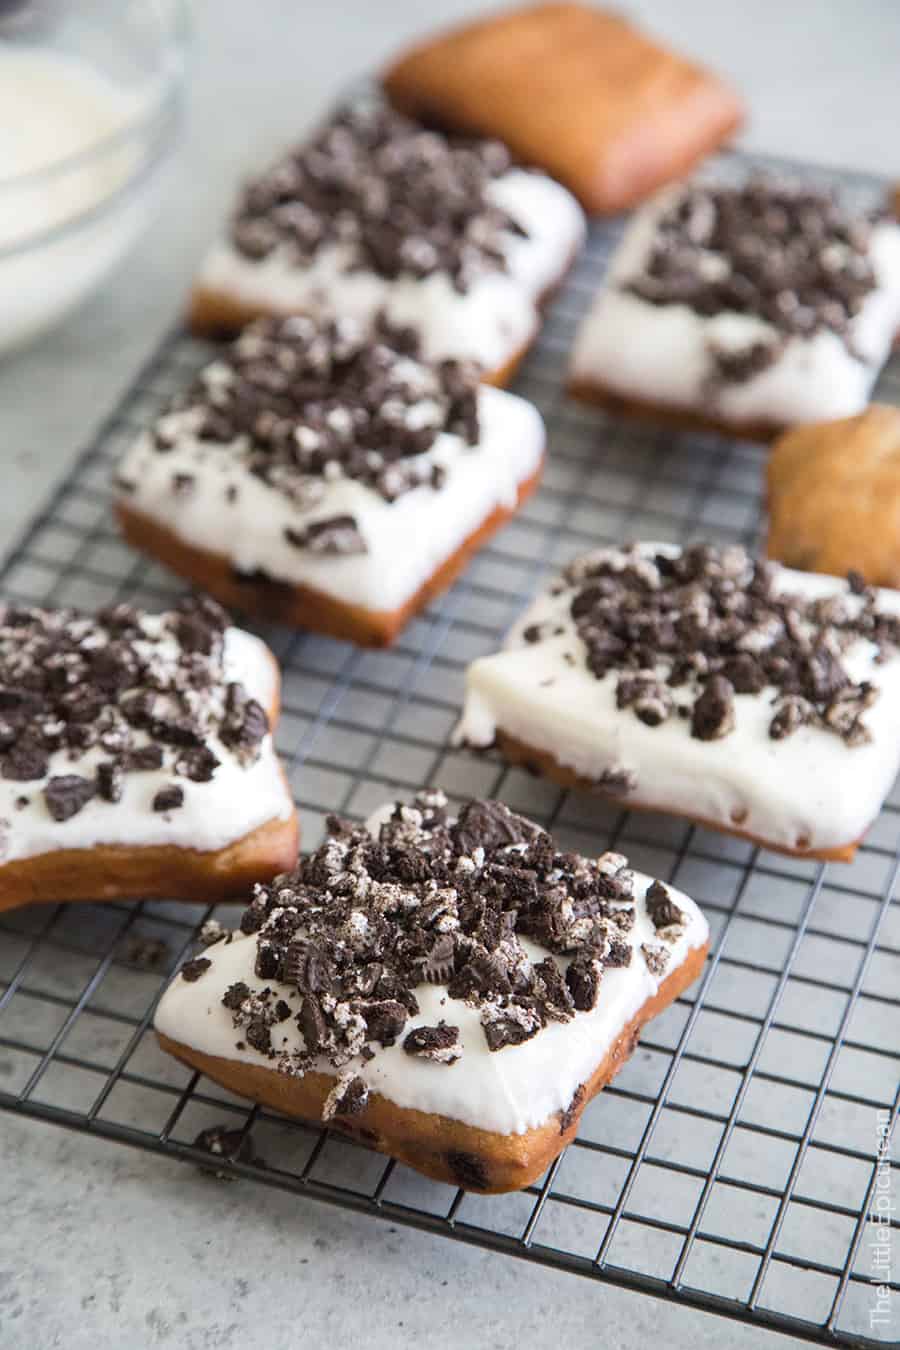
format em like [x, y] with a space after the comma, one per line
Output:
[162, 122]
[171, 82]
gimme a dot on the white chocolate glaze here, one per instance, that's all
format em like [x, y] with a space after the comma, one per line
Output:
[809, 791]
[661, 353]
[489, 323]
[407, 540]
[507, 1091]
[235, 801]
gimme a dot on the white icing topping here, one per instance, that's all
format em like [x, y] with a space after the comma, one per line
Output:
[407, 539]
[661, 353]
[489, 323]
[235, 801]
[507, 1091]
[810, 790]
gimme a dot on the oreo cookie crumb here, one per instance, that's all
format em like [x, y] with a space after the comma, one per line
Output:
[231, 1146]
[192, 970]
[67, 794]
[656, 958]
[617, 781]
[440, 1043]
[110, 780]
[573, 1110]
[213, 932]
[583, 981]
[713, 712]
[147, 953]
[336, 536]
[348, 1097]
[169, 798]
[664, 913]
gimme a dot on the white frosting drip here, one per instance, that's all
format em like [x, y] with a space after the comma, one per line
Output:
[489, 323]
[507, 1091]
[407, 540]
[660, 353]
[810, 790]
[235, 801]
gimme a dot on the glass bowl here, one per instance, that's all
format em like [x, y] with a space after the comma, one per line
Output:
[91, 97]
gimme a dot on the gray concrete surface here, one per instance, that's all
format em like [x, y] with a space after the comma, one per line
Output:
[101, 1247]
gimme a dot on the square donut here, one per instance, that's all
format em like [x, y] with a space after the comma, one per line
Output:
[578, 91]
[833, 496]
[706, 684]
[450, 989]
[744, 307]
[326, 477]
[375, 215]
[136, 756]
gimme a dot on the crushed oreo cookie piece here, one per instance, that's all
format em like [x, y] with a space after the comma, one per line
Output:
[791, 713]
[110, 780]
[789, 254]
[235, 995]
[313, 1026]
[437, 963]
[348, 1097]
[213, 932]
[259, 1035]
[617, 781]
[147, 953]
[647, 697]
[335, 537]
[169, 798]
[568, 1117]
[509, 1023]
[618, 955]
[656, 958]
[583, 981]
[712, 716]
[664, 913]
[440, 1043]
[713, 624]
[384, 1020]
[245, 724]
[143, 759]
[198, 763]
[26, 761]
[232, 1146]
[66, 794]
[192, 970]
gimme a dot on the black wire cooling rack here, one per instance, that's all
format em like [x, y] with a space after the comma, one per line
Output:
[734, 1164]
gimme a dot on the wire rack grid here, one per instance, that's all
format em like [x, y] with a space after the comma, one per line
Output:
[734, 1163]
